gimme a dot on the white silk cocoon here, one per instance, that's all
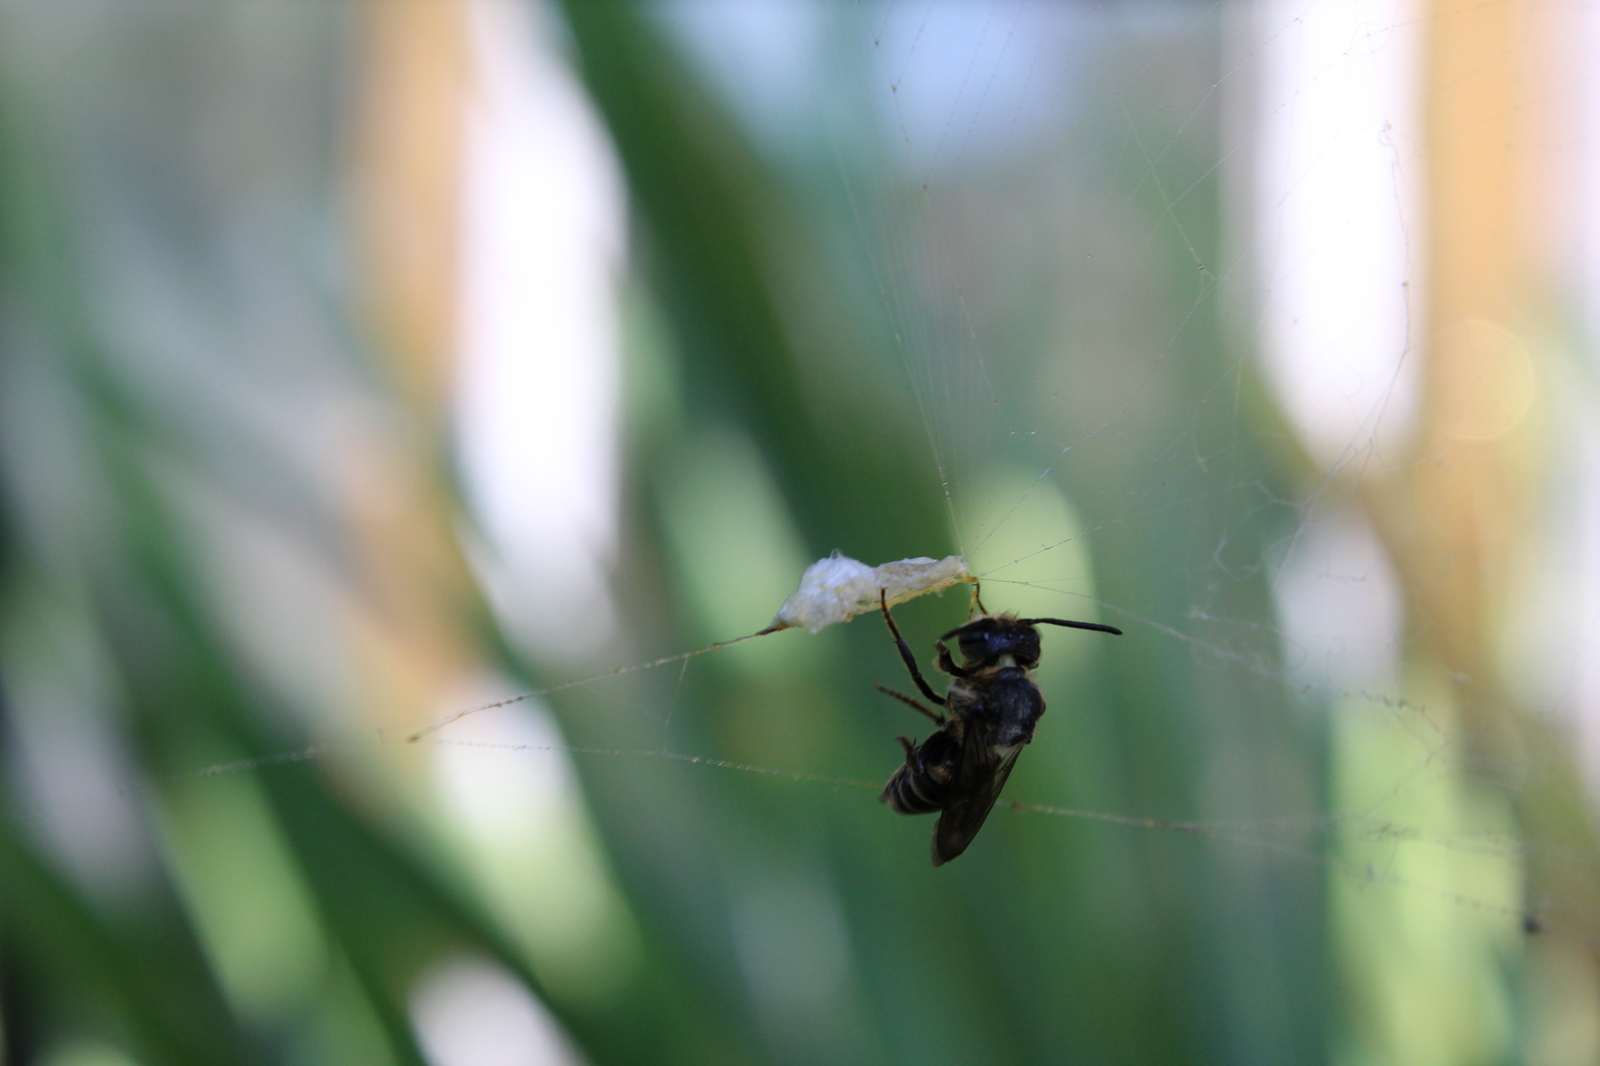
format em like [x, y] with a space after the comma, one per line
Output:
[838, 588]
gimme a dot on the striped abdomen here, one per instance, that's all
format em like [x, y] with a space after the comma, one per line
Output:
[925, 782]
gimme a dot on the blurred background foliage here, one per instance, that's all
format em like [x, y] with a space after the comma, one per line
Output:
[251, 541]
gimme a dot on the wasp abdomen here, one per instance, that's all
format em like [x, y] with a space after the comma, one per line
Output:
[924, 783]
[910, 792]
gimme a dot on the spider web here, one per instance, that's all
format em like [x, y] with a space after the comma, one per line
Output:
[1088, 277]
[949, 102]
[955, 97]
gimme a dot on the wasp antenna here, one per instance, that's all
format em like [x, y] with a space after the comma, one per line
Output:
[1096, 626]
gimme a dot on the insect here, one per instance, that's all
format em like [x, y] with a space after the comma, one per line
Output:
[990, 708]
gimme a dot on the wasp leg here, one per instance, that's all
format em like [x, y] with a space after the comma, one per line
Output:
[976, 602]
[948, 664]
[905, 653]
[909, 702]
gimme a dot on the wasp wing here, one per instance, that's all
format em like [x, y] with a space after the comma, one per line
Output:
[983, 775]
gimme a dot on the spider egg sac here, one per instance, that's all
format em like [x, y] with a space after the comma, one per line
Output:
[838, 588]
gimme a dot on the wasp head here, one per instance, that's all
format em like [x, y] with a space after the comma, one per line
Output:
[985, 641]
